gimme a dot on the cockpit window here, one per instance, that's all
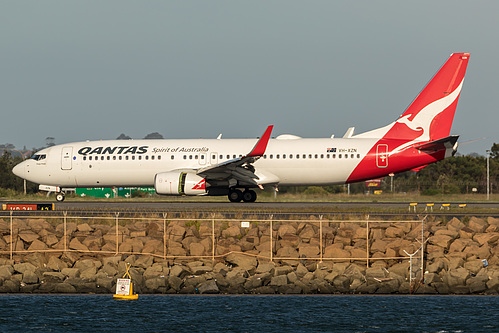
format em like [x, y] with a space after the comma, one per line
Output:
[38, 157]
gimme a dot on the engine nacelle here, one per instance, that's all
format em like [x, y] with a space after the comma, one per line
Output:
[179, 183]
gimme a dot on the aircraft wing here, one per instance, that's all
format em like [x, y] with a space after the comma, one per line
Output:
[241, 168]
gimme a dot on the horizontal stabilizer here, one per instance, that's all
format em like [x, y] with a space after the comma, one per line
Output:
[437, 145]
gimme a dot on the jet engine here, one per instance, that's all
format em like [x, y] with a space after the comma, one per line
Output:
[179, 183]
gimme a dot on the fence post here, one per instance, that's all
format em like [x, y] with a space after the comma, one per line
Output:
[164, 234]
[422, 249]
[11, 235]
[65, 231]
[367, 238]
[271, 238]
[117, 233]
[213, 237]
[320, 232]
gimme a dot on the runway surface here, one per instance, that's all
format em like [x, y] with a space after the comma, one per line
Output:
[262, 207]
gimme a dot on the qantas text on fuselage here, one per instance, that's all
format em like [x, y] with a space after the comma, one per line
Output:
[235, 167]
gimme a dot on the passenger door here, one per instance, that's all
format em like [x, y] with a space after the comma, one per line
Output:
[66, 158]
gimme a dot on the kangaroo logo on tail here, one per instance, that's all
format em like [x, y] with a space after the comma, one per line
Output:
[423, 119]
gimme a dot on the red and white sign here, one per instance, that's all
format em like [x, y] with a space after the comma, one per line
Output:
[123, 287]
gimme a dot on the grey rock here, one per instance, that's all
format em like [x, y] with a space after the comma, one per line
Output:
[71, 272]
[24, 267]
[64, 288]
[155, 284]
[175, 282]
[283, 270]
[243, 261]
[29, 277]
[280, 280]
[208, 287]
[6, 272]
[266, 267]
[53, 277]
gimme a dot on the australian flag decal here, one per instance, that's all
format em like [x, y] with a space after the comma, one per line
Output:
[331, 150]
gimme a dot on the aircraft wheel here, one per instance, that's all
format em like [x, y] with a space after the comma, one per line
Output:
[249, 196]
[235, 195]
[60, 197]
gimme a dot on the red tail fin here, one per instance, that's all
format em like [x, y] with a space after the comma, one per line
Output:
[430, 115]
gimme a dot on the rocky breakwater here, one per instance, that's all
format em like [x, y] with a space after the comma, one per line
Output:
[240, 263]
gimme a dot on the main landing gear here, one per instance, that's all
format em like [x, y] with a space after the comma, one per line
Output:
[236, 195]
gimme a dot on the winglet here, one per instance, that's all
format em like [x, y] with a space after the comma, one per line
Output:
[261, 145]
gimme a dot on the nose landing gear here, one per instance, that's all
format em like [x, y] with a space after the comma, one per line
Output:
[60, 196]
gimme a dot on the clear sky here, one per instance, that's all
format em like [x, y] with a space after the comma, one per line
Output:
[78, 70]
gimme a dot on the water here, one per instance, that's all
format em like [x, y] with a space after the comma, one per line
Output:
[100, 313]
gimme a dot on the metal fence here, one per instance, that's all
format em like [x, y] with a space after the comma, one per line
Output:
[166, 238]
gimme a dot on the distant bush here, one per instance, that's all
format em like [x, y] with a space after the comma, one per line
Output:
[431, 191]
[315, 190]
[139, 194]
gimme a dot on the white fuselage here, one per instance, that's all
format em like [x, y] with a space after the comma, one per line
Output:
[287, 161]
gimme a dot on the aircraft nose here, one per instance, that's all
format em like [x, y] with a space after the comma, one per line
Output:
[19, 170]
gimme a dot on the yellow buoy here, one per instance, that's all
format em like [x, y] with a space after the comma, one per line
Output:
[124, 287]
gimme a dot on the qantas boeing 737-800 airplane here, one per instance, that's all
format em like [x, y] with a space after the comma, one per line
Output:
[234, 167]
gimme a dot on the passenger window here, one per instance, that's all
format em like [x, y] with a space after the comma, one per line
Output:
[159, 157]
[90, 158]
[152, 157]
[297, 156]
[84, 158]
[108, 158]
[316, 156]
[346, 155]
[147, 157]
[339, 155]
[283, 156]
[114, 158]
[228, 157]
[173, 157]
[221, 157]
[358, 155]
[195, 157]
[121, 157]
[271, 156]
[126, 157]
[190, 157]
[327, 155]
[290, 155]
[310, 156]
[322, 155]
[102, 158]
[304, 156]
[277, 156]
[185, 157]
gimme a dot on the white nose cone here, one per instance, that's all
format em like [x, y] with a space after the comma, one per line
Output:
[18, 170]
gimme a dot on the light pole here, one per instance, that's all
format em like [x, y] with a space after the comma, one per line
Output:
[488, 175]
